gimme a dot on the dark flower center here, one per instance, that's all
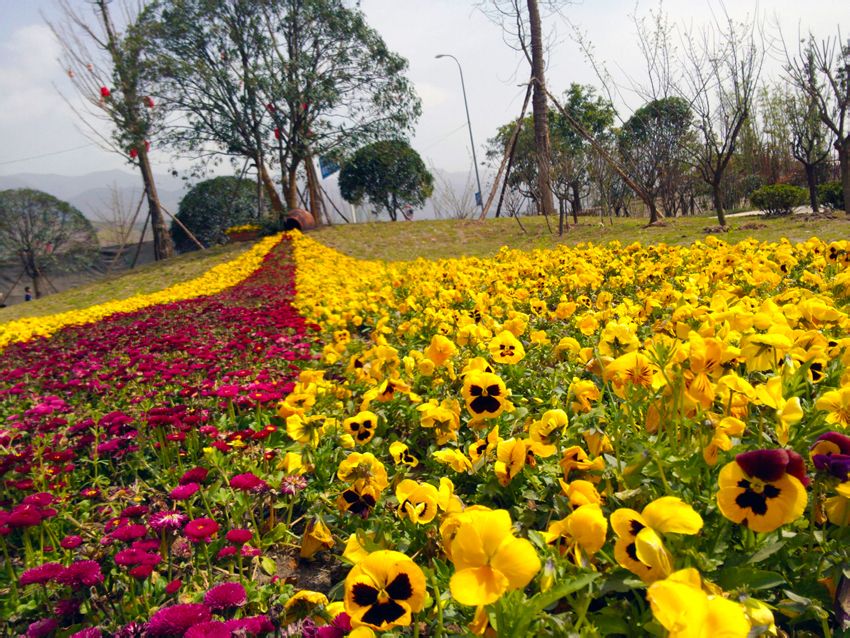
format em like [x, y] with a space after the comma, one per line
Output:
[755, 496]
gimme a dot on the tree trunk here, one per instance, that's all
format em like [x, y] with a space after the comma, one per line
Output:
[292, 187]
[313, 195]
[33, 271]
[162, 246]
[812, 183]
[540, 110]
[718, 203]
[653, 211]
[844, 163]
[576, 202]
[271, 191]
[562, 212]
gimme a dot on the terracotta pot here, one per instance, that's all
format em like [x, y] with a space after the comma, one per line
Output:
[299, 219]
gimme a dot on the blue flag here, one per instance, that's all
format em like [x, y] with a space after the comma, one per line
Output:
[327, 166]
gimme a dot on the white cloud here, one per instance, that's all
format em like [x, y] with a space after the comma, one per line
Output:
[431, 94]
[29, 66]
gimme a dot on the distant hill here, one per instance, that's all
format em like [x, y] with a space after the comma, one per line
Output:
[92, 193]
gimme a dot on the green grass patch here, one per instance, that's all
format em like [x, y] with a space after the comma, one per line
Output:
[437, 239]
[142, 280]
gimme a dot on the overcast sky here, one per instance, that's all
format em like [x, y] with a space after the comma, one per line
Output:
[39, 134]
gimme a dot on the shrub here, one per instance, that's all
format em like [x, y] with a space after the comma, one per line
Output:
[778, 199]
[831, 195]
[211, 207]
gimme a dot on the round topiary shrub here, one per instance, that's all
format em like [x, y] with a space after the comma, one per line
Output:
[211, 207]
[831, 195]
[778, 199]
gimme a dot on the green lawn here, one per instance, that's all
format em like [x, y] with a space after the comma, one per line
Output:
[434, 239]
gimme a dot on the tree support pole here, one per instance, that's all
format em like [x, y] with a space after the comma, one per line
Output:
[507, 159]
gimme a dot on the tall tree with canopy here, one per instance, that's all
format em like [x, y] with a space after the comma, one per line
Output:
[389, 174]
[280, 82]
[43, 233]
[652, 142]
[108, 66]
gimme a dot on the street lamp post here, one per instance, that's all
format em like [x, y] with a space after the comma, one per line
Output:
[480, 195]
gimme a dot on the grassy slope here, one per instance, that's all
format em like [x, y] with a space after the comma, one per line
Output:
[435, 240]
[145, 279]
[452, 238]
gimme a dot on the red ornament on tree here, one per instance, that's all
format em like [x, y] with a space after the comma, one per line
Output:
[133, 153]
[277, 134]
[270, 107]
[149, 102]
[104, 92]
[147, 146]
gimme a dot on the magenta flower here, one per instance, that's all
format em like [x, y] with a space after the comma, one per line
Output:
[195, 475]
[226, 551]
[169, 520]
[42, 628]
[83, 573]
[239, 536]
[292, 484]
[251, 625]
[91, 632]
[211, 629]
[200, 530]
[173, 587]
[141, 572]
[182, 492]
[248, 482]
[225, 595]
[41, 574]
[340, 627]
[177, 619]
[129, 533]
[71, 542]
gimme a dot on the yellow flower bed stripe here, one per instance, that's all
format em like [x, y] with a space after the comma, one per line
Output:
[211, 282]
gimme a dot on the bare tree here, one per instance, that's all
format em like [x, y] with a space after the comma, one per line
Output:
[721, 70]
[449, 202]
[821, 69]
[119, 215]
[522, 22]
[811, 140]
[106, 65]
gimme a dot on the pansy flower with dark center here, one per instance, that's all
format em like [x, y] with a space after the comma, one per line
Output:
[360, 498]
[485, 395]
[384, 590]
[506, 348]
[639, 547]
[831, 454]
[362, 426]
[401, 454]
[417, 501]
[763, 489]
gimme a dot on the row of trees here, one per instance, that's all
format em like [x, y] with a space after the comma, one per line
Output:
[707, 133]
[270, 84]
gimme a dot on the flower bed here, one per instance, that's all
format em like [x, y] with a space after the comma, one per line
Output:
[602, 440]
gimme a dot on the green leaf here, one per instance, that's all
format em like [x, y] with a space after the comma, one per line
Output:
[767, 550]
[749, 578]
[268, 565]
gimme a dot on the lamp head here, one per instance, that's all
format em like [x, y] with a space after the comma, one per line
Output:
[440, 55]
